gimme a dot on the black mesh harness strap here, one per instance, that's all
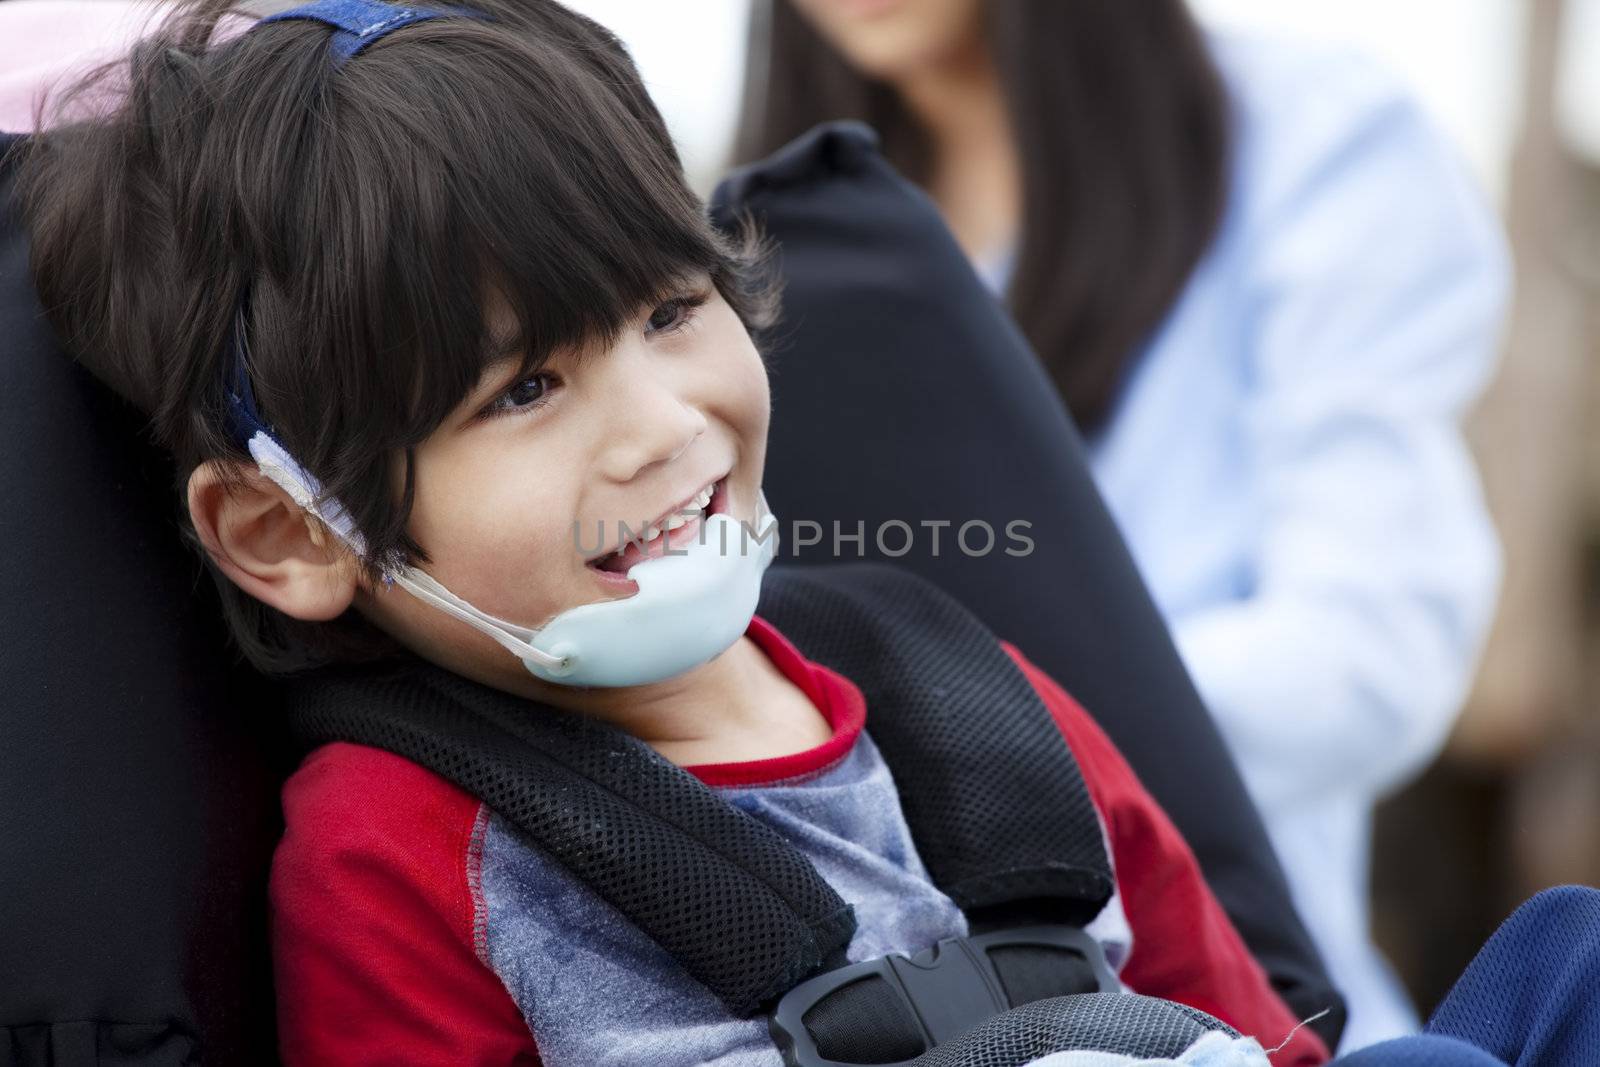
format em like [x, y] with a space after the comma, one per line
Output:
[949, 710]
[993, 795]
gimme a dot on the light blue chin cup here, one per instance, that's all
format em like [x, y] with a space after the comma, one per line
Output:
[691, 606]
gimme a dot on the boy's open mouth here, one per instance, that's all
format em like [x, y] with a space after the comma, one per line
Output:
[675, 530]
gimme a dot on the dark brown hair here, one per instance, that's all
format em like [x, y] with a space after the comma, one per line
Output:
[368, 211]
[1122, 126]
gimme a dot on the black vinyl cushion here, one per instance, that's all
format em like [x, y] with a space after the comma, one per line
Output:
[138, 788]
[139, 767]
[902, 391]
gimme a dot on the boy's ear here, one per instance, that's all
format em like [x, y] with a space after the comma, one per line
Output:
[269, 546]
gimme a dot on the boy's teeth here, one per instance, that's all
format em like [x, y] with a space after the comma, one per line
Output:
[694, 509]
[677, 521]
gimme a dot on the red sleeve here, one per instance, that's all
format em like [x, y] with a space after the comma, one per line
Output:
[1184, 946]
[372, 921]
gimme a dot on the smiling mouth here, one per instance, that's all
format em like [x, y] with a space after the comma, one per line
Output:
[675, 530]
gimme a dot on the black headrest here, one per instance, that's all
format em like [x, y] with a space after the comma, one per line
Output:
[138, 786]
[138, 766]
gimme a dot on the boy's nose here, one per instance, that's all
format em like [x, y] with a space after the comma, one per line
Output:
[655, 428]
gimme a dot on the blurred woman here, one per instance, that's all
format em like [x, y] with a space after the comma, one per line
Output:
[1267, 293]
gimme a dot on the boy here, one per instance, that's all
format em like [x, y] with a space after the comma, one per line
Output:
[419, 300]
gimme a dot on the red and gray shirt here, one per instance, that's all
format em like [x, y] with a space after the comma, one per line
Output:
[413, 924]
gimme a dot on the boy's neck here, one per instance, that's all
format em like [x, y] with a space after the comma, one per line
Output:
[737, 707]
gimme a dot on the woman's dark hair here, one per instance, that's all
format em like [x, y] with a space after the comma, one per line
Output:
[1121, 121]
[368, 211]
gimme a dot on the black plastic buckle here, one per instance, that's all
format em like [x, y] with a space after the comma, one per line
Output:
[950, 988]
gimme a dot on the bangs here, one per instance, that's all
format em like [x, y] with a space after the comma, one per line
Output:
[513, 170]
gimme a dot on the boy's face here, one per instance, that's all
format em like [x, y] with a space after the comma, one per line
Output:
[513, 491]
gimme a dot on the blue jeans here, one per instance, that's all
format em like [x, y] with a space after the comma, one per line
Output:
[1531, 998]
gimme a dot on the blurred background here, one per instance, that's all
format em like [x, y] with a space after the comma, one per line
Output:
[1514, 803]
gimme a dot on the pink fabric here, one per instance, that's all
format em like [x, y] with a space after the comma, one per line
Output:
[50, 43]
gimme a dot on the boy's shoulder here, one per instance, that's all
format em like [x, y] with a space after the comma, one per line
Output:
[375, 901]
[351, 791]
[357, 814]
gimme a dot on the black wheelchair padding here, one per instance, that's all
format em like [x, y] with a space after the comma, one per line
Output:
[892, 1009]
[735, 905]
[139, 766]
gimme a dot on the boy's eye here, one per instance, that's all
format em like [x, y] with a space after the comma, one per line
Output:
[674, 314]
[524, 395]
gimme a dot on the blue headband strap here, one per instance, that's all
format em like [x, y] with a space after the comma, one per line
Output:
[357, 23]
[243, 415]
